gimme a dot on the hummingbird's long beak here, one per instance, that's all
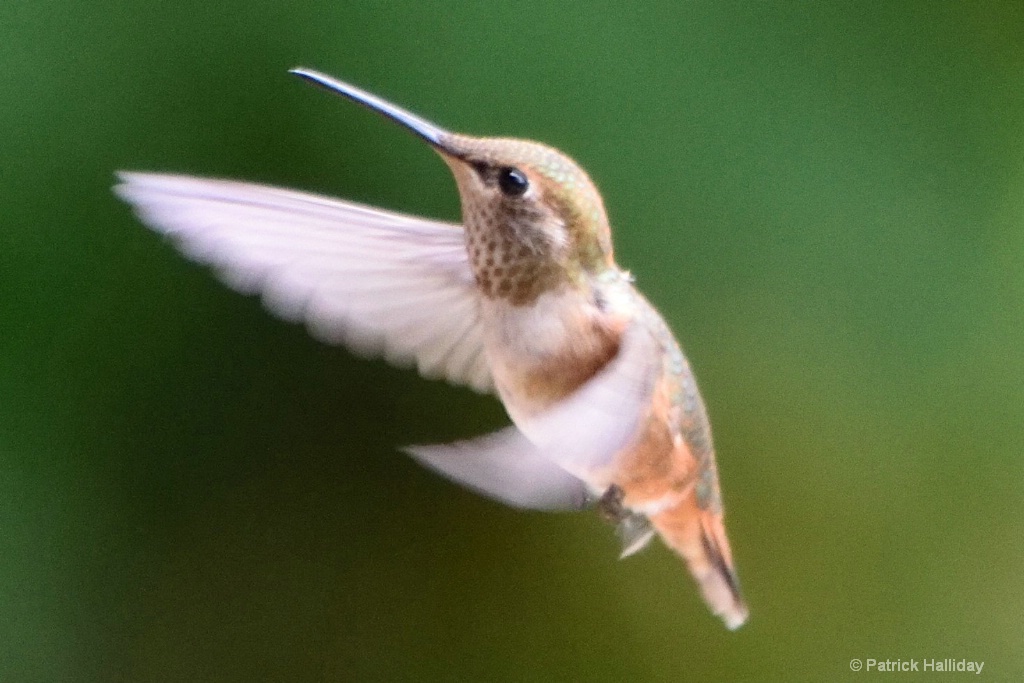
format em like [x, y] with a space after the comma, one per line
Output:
[436, 136]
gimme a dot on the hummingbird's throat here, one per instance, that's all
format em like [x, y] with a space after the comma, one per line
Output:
[509, 271]
[510, 257]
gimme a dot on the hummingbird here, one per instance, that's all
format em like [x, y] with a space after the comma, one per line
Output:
[523, 299]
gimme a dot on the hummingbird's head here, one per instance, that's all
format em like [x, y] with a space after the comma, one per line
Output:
[533, 218]
[525, 201]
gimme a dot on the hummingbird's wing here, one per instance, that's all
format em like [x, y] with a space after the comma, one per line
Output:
[583, 433]
[381, 283]
[504, 465]
[555, 460]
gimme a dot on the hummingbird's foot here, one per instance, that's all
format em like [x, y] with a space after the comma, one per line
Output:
[634, 530]
[610, 504]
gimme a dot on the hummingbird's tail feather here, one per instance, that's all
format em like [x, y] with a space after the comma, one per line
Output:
[699, 537]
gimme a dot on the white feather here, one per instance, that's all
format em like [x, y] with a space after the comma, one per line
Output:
[635, 532]
[505, 466]
[563, 457]
[381, 283]
[584, 433]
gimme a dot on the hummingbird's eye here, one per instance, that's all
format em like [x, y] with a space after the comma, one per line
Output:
[513, 182]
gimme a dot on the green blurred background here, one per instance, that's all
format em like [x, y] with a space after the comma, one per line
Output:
[826, 200]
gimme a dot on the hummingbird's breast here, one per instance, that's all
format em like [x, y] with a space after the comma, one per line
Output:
[541, 353]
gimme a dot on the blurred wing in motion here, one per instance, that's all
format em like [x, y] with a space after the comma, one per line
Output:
[583, 433]
[561, 458]
[505, 466]
[380, 283]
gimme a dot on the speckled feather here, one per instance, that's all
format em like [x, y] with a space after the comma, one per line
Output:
[511, 260]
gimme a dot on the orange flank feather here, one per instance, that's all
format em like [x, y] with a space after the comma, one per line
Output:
[670, 474]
